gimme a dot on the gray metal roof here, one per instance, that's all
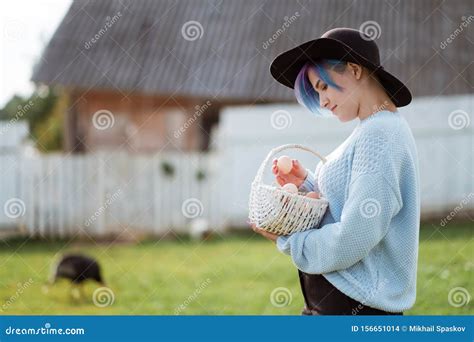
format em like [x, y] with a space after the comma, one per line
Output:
[144, 50]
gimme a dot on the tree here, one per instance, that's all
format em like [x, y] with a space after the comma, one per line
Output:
[44, 112]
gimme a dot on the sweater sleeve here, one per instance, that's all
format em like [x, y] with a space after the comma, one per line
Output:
[309, 182]
[365, 218]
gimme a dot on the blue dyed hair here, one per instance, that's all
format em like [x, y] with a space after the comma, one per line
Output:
[304, 91]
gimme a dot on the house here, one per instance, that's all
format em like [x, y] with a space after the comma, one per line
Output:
[146, 76]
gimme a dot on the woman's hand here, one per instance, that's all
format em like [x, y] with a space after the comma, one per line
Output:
[265, 234]
[297, 175]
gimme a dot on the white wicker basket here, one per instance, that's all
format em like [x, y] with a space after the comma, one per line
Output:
[278, 211]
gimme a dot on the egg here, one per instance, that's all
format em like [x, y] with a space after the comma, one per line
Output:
[284, 164]
[290, 187]
[312, 194]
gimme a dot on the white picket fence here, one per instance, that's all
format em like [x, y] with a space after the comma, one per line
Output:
[63, 195]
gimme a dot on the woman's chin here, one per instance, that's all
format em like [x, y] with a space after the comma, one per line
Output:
[343, 118]
[340, 118]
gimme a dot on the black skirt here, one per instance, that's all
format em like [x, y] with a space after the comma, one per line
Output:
[322, 298]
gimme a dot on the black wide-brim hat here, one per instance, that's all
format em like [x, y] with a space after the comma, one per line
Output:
[344, 44]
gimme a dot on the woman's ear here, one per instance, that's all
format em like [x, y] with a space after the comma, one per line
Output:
[355, 70]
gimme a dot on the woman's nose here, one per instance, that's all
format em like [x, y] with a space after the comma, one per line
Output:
[325, 103]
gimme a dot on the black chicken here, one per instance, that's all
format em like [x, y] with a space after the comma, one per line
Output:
[77, 268]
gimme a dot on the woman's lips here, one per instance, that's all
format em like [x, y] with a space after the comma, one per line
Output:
[332, 109]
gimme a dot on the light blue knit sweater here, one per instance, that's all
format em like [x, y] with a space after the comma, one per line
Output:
[367, 243]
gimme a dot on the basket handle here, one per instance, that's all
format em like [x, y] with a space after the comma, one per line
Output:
[263, 166]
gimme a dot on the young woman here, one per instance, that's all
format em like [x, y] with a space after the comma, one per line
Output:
[362, 259]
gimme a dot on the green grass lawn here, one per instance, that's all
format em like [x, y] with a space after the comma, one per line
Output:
[231, 275]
